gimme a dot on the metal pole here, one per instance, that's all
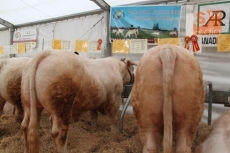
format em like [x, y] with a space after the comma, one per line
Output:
[11, 39]
[209, 84]
[106, 49]
[123, 113]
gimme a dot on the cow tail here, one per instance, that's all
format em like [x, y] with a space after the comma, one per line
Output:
[168, 58]
[33, 122]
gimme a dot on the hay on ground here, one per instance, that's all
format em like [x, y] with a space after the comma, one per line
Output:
[82, 138]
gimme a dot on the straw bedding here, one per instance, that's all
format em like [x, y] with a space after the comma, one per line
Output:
[82, 138]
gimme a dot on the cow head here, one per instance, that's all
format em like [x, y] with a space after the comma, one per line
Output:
[129, 72]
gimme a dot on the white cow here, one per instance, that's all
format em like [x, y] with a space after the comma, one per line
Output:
[59, 81]
[114, 30]
[10, 84]
[120, 31]
[132, 32]
[173, 33]
[156, 33]
[219, 139]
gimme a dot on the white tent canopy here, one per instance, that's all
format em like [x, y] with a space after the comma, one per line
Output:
[18, 12]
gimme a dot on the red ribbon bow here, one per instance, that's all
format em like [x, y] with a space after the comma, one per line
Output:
[195, 44]
[186, 40]
[99, 44]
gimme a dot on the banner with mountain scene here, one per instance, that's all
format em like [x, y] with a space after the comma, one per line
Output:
[145, 22]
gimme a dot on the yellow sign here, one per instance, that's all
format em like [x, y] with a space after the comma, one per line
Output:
[223, 43]
[21, 48]
[171, 41]
[1, 50]
[81, 46]
[56, 44]
[121, 46]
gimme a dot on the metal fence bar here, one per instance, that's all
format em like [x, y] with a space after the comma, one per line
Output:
[210, 92]
[123, 113]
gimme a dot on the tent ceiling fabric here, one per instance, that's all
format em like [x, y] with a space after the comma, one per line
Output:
[19, 12]
[25, 11]
[123, 2]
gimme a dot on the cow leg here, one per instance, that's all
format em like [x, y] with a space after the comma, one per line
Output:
[113, 110]
[19, 114]
[59, 134]
[152, 142]
[185, 131]
[94, 117]
[184, 142]
[24, 128]
[2, 103]
[25, 124]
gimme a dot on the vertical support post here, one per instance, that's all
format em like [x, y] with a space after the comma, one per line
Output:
[123, 113]
[106, 45]
[11, 39]
[209, 85]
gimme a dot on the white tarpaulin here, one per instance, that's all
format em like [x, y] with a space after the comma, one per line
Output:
[79, 28]
[4, 37]
[4, 41]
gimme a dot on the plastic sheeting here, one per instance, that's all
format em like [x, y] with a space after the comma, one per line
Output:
[4, 37]
[26, 11]
[79, 28]
[4, 41]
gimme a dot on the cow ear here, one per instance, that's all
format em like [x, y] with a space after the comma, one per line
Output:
[129, 63]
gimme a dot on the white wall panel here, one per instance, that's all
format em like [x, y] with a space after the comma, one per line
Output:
[4, 41]
[4, 38]
[74, 29]
[44, 39]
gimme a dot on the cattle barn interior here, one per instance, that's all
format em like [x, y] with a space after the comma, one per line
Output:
[98, 29]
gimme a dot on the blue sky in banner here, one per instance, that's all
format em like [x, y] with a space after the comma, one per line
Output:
[167, 17]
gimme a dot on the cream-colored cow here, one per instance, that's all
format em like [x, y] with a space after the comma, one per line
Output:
[219, 139]
[168, 98]
[10, 84]
[173, 33]
[58, 81]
